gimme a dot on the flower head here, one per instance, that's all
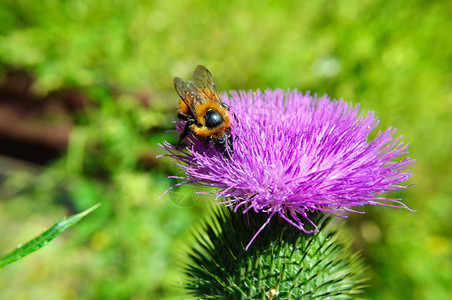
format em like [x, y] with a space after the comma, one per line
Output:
[295, 153]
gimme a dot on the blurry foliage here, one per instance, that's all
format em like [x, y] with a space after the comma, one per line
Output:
[391, 56]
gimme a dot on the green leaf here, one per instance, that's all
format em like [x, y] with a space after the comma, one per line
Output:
[45, 237]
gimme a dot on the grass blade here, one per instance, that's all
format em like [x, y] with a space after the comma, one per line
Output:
[45, 237]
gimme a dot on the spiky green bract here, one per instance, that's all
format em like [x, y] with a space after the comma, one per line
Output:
[283, 263]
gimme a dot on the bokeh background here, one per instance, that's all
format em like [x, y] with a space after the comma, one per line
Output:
[86, 94]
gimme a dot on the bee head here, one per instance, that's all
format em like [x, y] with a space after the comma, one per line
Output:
[213, 118]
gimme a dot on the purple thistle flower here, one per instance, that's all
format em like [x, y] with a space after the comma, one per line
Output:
[295, 153]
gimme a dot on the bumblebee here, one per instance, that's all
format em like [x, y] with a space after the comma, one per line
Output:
[205, 114]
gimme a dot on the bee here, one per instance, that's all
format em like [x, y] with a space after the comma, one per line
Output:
[205, 114]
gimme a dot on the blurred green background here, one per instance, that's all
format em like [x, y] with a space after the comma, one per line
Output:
[86, 94]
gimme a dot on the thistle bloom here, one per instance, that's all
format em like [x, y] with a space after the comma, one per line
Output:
[295, 153]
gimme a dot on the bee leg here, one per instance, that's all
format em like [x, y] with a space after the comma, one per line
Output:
[184, 133]
[224, 144]
[229, 144]
[207, 141]
[235, 117]
[182, 117]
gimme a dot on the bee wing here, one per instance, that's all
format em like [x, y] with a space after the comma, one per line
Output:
[204, 84]
[198, 90]
[182, 89]
[187, 92]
